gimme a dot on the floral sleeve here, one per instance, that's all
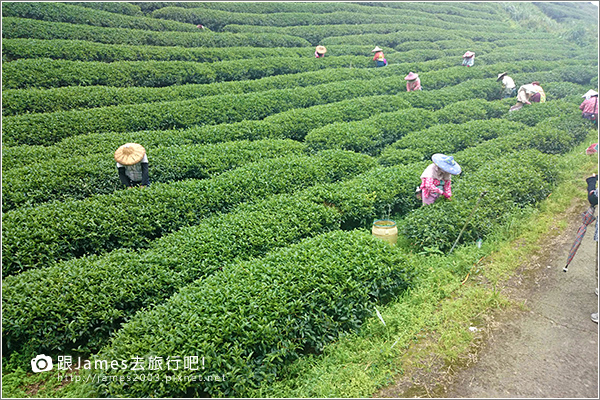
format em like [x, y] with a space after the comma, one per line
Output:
[447, 189]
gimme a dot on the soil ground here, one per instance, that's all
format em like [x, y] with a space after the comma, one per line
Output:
[546, 349]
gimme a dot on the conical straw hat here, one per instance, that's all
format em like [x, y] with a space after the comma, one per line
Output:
[130, 153]
[446, 163]
[321, 49]
[376, 49]
[500, 76]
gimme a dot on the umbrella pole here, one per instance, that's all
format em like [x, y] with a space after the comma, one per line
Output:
[468, 219]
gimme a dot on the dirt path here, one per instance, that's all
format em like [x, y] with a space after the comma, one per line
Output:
[551, 348]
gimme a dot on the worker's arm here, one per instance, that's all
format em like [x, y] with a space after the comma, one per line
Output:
[447, 189]
[145, 177]
[123, 177]
[428, 187]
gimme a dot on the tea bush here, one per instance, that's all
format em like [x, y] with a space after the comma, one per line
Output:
[114, 7]
[122, 282]
[294, 123]
[446, 138]
[294, 300]
[49, 128]
[66, 98]
[13, 28]
[40, 236]
[371, 135]
[72, 14]
[317, 33]
[515, 181]
[82, 176]
[80, 50]
[468, 110]
[217, 19]
[531, 115]
[48, 73]
[432, 35]
[480, 11]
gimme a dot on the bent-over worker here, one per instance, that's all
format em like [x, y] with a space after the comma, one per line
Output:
[436, 179]
[320, 51]
[529, 93]
[468, 59]
[412, 82]
[132, 164]
[379, 58]
[509, 89]
[589, 107]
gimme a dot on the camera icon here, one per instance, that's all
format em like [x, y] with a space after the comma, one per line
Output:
[41, 363]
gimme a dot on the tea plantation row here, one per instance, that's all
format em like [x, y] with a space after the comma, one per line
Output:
[37, 181]
[48, 73]
[73, 14]
[40, 236]
[66, 98]
[49, 128]
[82, 176]
[481, 10]
[352, 202]
[32, 29]
[45, 181]
[465, 10]
[376, 189]
[22, 223]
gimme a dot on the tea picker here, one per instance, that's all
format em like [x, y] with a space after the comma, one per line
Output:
[509, 89]
[413, 82]
[468, 59]
[132, 164]
[589, 107]
[320, 51]
[437, 177]
[379, 58]
[526, 94]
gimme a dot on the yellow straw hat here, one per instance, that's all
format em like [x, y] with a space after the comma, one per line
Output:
[130, 153]
[321, 49]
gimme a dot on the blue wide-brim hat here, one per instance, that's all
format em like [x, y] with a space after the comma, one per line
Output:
[446, 163]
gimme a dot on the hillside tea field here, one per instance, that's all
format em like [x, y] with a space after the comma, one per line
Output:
[250, 253]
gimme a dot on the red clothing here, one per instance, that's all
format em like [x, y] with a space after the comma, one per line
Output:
[431, 184]
[377, 55]
[590, 105]
[413, 85]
